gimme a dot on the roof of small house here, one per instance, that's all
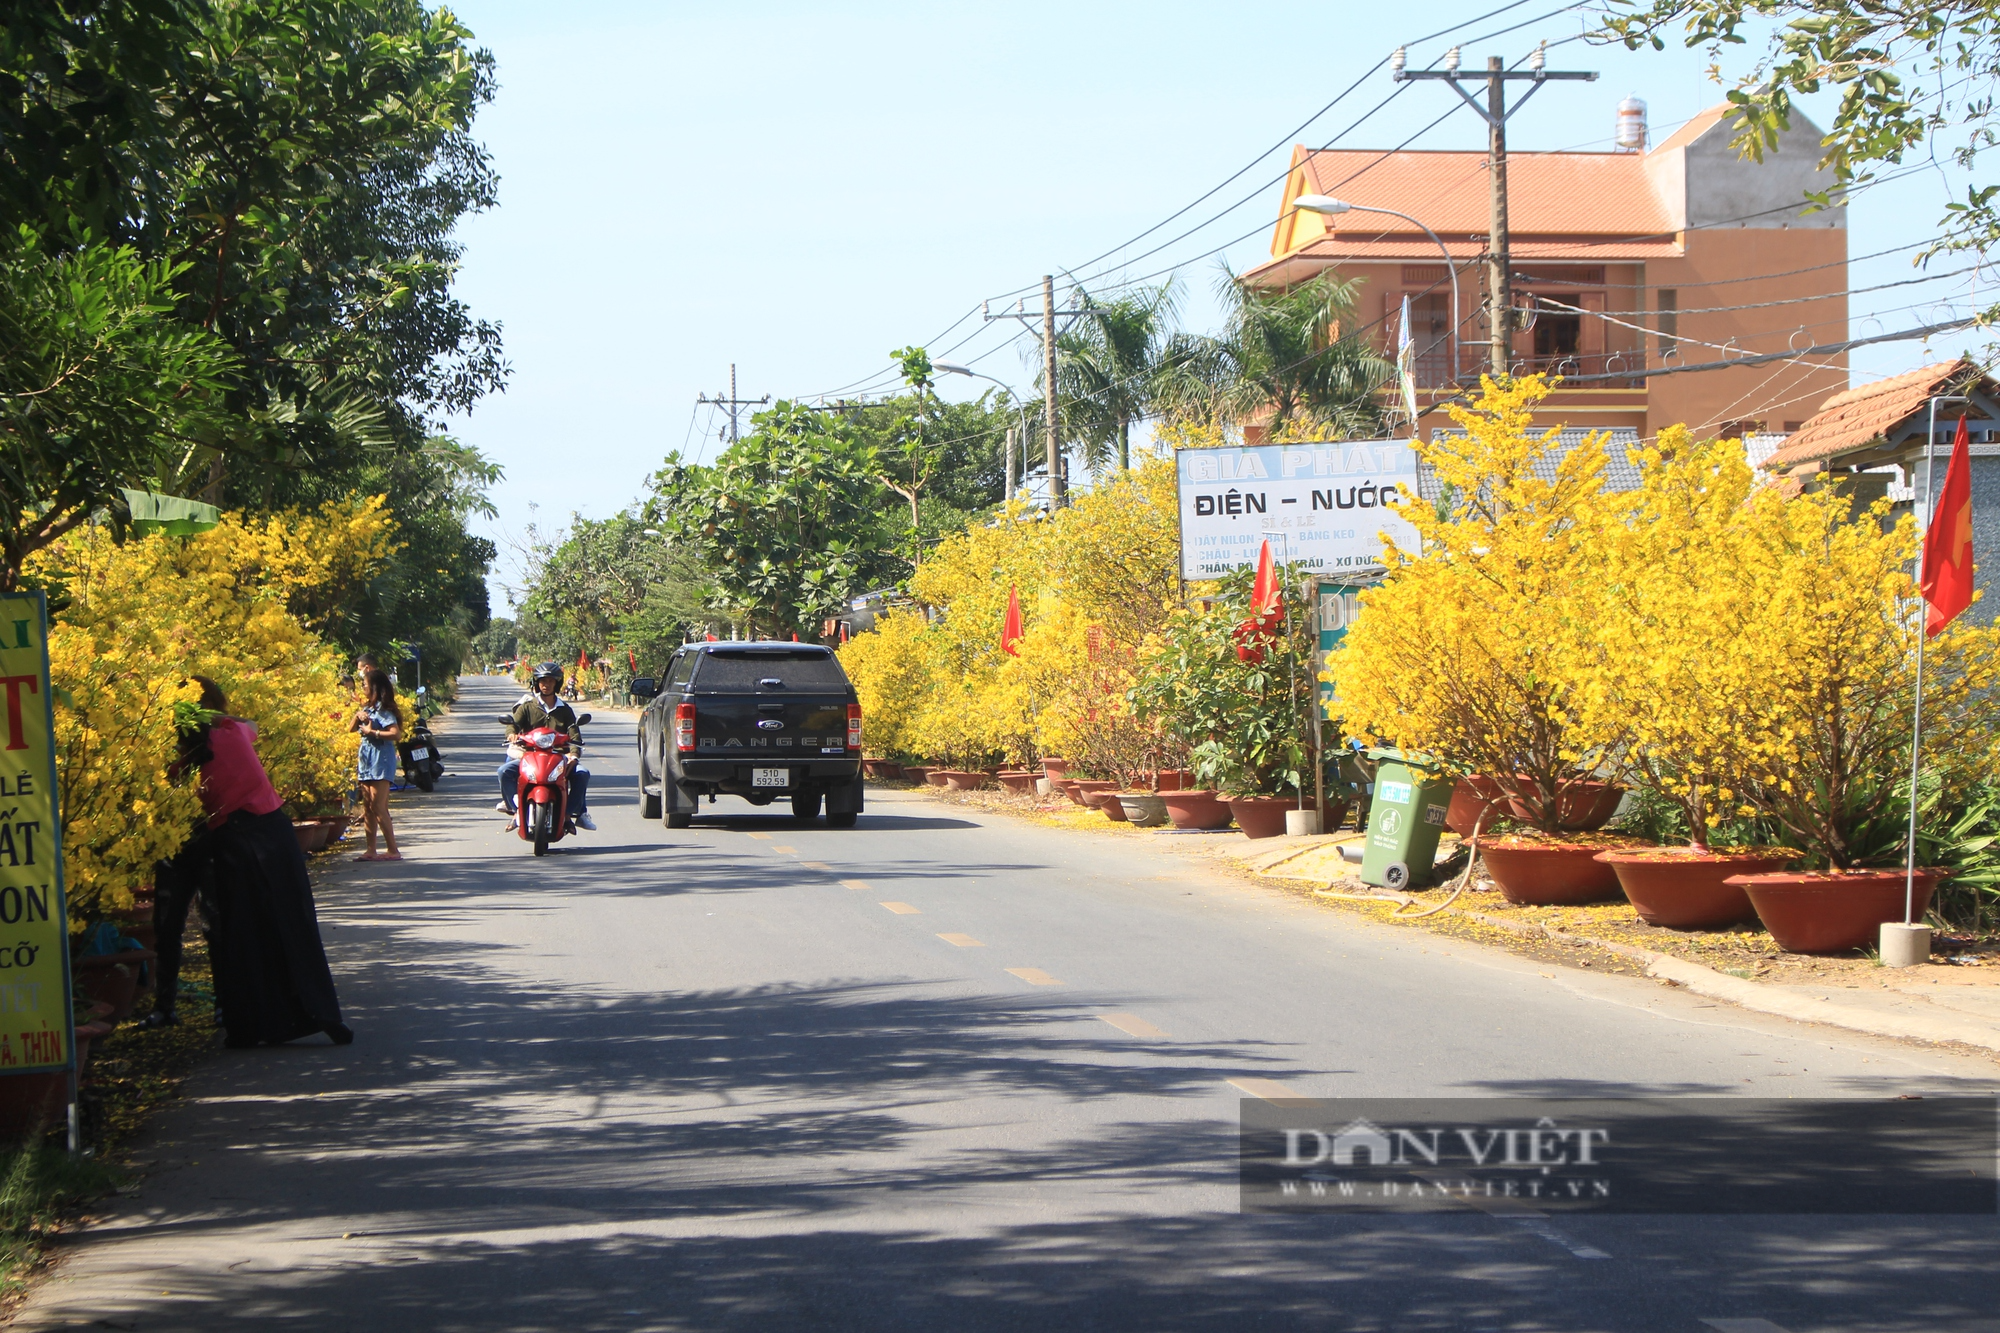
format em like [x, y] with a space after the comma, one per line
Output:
[1863, 417]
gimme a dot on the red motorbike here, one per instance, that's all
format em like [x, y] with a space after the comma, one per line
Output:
[541, 801]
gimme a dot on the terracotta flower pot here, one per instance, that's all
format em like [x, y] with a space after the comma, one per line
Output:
[1830, 911]
[110, 978]
[1688, 889]
[1055, 769]
[1109, 802]
[1066, 787]
[1261, 816]
[336, 826]
[1474, 794]
[936, 776]
[886, 769]
[1200, 808]
[916, 773]
[1022, 781]
[1535, 873]
[1145, 809]
[312, 835]
[28, 1101]
[1172, 779]
[1581, 807]
[1082, 789]
[963, 779]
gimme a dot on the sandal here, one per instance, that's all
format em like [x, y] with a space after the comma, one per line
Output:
[390, 856]
[368, 856]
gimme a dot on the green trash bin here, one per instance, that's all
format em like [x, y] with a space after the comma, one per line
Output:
[1405, 820]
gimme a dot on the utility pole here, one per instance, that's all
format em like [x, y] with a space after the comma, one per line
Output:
[1499, 267]
[732, 402]
[1047, 334]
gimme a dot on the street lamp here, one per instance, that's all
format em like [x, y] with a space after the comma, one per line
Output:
[1327, 206]
[1007, 464]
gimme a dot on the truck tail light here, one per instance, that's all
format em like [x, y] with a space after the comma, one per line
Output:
[683, 726]
[854, 726]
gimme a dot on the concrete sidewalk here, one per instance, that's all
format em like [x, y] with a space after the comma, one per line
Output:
[1941, 1001]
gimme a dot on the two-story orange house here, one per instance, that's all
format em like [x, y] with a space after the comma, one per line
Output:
[1626, 262]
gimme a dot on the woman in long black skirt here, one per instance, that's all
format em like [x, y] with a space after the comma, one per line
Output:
[272, 983]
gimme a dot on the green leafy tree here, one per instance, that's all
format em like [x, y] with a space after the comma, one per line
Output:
[101, 387]
[1107, 365]
[1281, 356]
[1906, 73]
[790, 522]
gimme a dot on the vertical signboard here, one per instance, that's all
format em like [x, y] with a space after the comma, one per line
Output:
[1333, 502]
[37, 1028]
[1336, 605]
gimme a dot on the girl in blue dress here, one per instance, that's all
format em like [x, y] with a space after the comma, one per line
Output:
[380, 723]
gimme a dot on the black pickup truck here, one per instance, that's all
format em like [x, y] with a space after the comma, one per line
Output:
[756, 720]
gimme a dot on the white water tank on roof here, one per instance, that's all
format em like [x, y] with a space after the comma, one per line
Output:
[1631, 136]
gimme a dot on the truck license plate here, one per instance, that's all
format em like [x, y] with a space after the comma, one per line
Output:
[770, 777]
[420, 753]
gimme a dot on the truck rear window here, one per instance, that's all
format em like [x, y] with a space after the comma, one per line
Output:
[808, 673]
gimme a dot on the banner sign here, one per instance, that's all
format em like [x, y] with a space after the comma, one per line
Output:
[1335, 606]
[37, 1027]
[1326, 500]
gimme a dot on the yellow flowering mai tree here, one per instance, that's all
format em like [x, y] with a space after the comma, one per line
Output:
[1094, 580]
[140, 619]
[1476, 648]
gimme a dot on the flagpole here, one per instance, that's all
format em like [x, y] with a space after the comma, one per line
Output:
[1923, 633]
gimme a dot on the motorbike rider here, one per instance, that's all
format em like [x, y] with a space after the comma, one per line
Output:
[544, 706]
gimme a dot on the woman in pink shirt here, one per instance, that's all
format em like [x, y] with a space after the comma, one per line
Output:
[272, 983]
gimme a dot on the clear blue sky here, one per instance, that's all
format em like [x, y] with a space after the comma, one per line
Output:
[800, 188]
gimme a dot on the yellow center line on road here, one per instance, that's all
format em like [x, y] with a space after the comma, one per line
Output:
[816, 865]
[962, 941]
[1034, 976]
[789, 851]
[761, 837]
[904, 909]
[1133, 1025]
[1267, 1089]
[859, 885]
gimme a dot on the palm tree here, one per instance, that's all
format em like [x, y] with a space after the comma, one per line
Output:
[1281, 356]
[1106, 362]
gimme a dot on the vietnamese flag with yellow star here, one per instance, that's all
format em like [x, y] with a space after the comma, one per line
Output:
[1947, 577]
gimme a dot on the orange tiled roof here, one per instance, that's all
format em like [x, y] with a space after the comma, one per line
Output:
[1851, 420]
[1559, 194]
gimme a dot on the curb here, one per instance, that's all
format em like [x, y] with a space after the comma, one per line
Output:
[1932, 1027]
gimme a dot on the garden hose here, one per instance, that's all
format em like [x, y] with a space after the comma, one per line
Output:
[1464, 878]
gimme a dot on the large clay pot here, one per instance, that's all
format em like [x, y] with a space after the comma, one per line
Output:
[336, 826]
[1108, 802]
[916, 773]
[1831, 911]
[1196, 809]
[936, 777]
[29, 1101]
[1581, 807]
[1261, 816]
[1055, 769]
[888, 770]
[1019, 781]
[1534, 873]
[962, 779]
[1689, 889]
[110, 978]
[1145, 809]
[1474, 794]
[1067, 787]
[1172, 779]
[1080, 790]
[312, 835]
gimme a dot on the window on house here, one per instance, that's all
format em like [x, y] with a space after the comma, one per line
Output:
[1558, 331]
[1668, 304]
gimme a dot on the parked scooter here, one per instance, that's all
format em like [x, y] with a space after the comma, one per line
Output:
[423, 762]
[541, 800]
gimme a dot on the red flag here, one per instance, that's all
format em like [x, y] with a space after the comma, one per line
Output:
[711, 638]
[633, 661]
[1267, 599]
[1947, 578]
[582, 660]
[795, 636]
[1010, 628]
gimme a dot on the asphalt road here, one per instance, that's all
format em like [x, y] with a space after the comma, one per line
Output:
[935, 1072]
